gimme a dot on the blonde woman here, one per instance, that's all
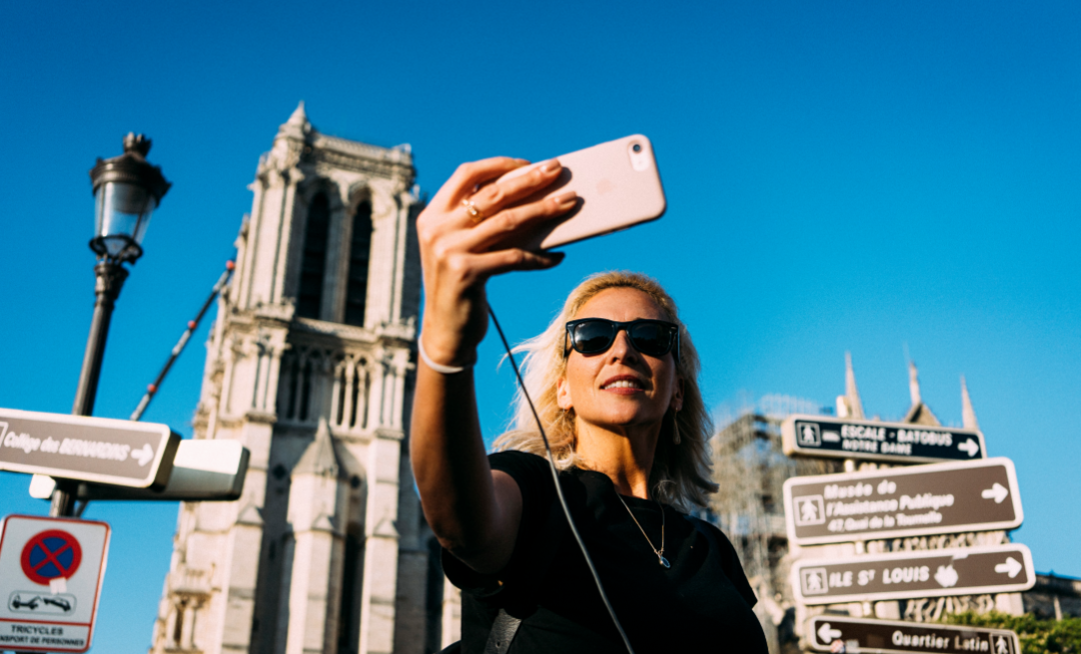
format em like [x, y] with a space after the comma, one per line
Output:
[614, 380]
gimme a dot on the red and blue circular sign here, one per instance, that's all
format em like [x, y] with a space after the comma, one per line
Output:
[49, 555]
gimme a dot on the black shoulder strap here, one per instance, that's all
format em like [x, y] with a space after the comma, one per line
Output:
[505, 625]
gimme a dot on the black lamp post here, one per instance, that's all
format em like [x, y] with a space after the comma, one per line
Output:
[127, 189]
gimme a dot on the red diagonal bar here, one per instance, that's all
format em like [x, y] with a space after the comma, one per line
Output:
[51, 556]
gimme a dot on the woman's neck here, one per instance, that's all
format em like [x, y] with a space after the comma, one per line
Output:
[626, 457]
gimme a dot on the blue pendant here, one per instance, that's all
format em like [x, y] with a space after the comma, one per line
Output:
[664, 562]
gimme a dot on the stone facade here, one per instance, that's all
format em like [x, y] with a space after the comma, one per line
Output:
[310, 366]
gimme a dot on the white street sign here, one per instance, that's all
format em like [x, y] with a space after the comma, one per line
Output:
[50, 580]
[203, 470]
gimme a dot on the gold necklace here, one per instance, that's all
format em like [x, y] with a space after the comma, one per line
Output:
[659, 552]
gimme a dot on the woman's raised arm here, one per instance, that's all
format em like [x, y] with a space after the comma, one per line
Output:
[466, 236]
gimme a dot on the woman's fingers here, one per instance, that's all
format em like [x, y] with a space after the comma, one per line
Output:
[509, 224]
[469, 176]
[502, 261]
[505, 192]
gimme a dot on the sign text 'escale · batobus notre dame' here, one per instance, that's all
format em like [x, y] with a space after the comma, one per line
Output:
[914, 574]
[101, 450]
[939, 498]
[822, 436]
[892, 637]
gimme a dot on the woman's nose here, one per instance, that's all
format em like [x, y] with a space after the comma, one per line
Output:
[622, 347]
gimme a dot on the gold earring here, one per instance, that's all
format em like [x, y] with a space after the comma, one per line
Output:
[675, 427]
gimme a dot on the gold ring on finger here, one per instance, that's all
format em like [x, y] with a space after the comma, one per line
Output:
[473, 211]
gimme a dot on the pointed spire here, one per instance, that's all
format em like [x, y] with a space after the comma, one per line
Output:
[298, 126]
[299, 117]
[852, 394]
[968, 414]
[914, 383]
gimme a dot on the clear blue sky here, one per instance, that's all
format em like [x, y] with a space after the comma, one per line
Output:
[841, 176]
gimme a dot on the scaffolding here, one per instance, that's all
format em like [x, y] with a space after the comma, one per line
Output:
[750, 468]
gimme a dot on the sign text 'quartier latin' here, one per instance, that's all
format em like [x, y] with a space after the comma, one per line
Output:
[939, 498]
[842, 438]
[889, 636]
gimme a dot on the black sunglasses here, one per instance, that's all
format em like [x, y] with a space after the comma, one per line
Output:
[654, 338]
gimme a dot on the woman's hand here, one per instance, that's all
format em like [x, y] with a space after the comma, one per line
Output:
[467, 235]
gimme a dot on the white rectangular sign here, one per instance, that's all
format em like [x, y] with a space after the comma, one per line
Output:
[50, 581]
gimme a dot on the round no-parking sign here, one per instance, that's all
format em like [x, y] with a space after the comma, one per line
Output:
[49, 555]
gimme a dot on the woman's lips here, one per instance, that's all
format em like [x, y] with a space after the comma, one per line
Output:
[623, 385]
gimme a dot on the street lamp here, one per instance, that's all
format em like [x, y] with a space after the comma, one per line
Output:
[127, 189]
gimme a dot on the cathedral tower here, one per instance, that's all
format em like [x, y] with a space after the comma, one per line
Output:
[310, 367]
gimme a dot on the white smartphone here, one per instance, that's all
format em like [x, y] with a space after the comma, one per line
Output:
[618, 186]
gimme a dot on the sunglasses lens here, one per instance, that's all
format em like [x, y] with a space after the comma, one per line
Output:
[593, 336]
[651, 338]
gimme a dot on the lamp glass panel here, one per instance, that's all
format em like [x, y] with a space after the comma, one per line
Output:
[123, 212]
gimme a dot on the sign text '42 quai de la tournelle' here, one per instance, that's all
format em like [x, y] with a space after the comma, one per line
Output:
[938, 498]
[102, 450]
[892, 637]
[821, 436]
[912, 574]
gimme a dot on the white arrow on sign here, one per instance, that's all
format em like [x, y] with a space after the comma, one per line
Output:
[1010, 567]
[998, 492]
[828, 634]
[144, 455]
[969, 446]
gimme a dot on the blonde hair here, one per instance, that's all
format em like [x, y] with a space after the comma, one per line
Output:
[681, 474]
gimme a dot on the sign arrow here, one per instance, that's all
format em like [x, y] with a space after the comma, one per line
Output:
[969, 446]
[827, 634]
[1011, 567]
[998, 492]
[144, 455]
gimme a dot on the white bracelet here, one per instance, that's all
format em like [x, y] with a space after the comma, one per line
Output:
[438, 367]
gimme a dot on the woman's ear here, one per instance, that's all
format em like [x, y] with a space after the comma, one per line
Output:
[563, 394]
[677, 397]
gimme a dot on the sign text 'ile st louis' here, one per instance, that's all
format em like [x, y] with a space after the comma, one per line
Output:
[937, 498]
[913, 574]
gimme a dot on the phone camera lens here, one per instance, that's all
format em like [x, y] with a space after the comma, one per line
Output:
[637, 147]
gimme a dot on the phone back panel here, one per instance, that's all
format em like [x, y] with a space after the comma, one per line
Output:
[617, 188]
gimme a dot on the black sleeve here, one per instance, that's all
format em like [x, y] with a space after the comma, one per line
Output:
[732, 567]
[534, 479]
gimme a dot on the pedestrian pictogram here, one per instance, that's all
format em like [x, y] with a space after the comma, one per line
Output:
[50, 555]
[50, 580]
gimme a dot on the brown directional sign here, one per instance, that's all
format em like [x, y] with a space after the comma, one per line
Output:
[102, 450]
[893, 637]
[822, 436]
[940, 498]
[904, 575]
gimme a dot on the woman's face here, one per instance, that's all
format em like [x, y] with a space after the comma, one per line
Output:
[620, 387]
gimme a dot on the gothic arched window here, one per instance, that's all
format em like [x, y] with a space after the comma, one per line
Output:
[360, 247]
[314, 262]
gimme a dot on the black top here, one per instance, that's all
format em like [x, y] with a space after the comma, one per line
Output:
[702, 603]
